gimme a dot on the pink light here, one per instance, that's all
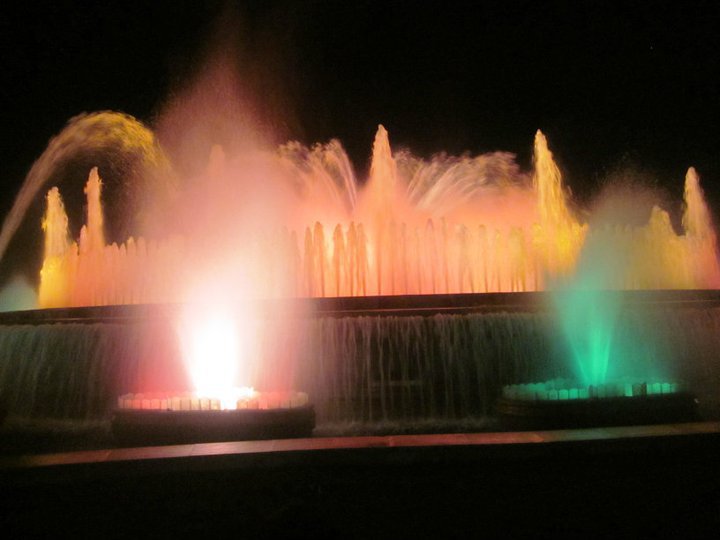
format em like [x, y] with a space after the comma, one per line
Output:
[214, 354]
[219, 345]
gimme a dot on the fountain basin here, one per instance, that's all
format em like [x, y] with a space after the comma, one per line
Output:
[158, 420]
[619, 404]
[74, 363]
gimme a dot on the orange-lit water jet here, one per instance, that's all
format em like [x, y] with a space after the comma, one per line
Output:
[100, 133]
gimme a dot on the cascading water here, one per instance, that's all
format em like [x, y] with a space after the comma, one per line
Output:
[442, 367]
[368, 368]
[76, 371]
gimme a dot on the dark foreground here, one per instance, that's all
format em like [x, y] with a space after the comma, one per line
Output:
[642, 481]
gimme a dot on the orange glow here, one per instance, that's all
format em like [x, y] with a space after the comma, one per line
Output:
[53, 275]
[447, 225]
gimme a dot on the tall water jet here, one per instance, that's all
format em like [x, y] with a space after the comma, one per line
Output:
[559, 235]
[54, 288]
[700, 232]
[93, 232]
[383, 205]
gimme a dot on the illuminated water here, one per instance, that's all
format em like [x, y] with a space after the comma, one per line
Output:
[447, 225]
[296, 222]
[105, 132]
[356, 369]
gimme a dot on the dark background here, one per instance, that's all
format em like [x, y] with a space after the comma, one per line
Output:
[614, 85]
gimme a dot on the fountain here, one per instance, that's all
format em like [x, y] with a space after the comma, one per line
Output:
[418, 294]
[415, 227]
[617, 378]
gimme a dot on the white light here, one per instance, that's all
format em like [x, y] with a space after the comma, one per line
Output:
[216, 347]
[214, 357]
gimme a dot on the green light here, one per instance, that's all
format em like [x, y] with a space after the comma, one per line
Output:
[602, 338]
[565, 390]
[587, 320]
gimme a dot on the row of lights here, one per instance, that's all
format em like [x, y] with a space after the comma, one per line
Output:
[193, 402]
[540, 391]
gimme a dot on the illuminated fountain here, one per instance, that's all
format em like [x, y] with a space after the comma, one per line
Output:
[416, 228]
[447, 226]
[618, 372]
[425, 246]
[618, 376]
[216, 341]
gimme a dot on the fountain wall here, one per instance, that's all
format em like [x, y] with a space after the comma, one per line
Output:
[367, 365]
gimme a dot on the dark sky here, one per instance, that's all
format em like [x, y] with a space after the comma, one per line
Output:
[611, 83]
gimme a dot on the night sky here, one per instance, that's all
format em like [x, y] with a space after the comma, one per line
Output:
[613, 84]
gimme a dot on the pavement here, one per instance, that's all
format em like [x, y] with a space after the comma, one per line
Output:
[638, 481]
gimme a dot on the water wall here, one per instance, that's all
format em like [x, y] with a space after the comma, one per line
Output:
[360, 367]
